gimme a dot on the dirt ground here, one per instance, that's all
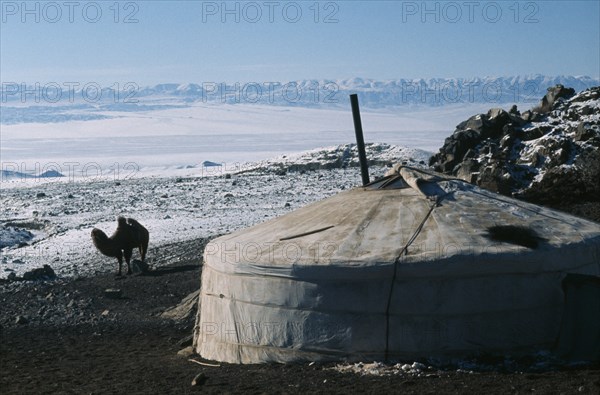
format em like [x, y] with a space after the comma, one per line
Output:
[68, 336]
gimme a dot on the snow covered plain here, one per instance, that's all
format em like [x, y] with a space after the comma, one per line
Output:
[48, 221]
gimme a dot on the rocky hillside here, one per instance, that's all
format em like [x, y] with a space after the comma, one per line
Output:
[547, 155]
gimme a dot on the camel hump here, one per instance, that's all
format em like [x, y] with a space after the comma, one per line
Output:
[122, 221]
[135, 224]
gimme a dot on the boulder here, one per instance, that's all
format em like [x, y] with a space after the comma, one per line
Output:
[495, 179]
[536, 132]
[186, 352]
[199, 380]
[468, 170]
[547, 155]
[588, 163]
[43, 273]
[531, 116]
[587, 110]
[183, 310]
[563, 184]
[554, 94]
[586, 131]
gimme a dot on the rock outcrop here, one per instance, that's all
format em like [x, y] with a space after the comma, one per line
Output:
[548, 155]
[39, 274]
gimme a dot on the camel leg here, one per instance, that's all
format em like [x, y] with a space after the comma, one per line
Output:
[128, 252]
[144, 250]
[120, 259]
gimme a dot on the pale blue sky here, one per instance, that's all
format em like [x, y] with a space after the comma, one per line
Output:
[187, 41]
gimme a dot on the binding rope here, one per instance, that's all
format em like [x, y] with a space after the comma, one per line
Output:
[396, 262]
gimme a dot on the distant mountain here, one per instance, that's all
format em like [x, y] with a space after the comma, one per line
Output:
[7, 175]
[50, 174]
[524, 90]
[375, 94]
[372, 93]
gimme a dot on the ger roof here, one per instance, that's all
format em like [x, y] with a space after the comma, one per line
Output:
[414, 217]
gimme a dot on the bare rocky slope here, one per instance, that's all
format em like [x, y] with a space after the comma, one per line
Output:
[547, 155]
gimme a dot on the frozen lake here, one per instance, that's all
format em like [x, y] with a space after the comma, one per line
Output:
[189, 149]
[225, 134]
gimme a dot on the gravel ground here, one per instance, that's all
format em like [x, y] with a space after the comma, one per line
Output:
[68, 335]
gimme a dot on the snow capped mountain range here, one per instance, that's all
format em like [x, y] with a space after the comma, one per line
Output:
[374, 94]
